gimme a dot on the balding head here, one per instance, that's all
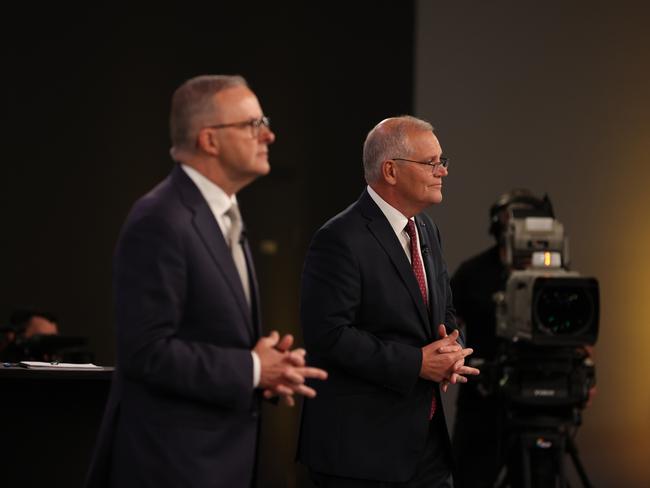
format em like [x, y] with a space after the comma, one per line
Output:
[193, 106]
[387, 140]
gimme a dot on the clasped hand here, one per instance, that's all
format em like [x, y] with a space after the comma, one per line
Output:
[284, 371]
[443, 360]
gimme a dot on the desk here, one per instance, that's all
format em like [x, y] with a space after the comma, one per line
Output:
[48, 424]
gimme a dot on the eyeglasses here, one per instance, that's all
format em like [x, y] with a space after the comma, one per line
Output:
[254, 124]
[444, 162]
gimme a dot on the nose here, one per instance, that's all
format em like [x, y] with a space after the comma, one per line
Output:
[266, 135]
[440, 170]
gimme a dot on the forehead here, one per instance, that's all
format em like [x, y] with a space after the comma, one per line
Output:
[238, 102]
[424, 142]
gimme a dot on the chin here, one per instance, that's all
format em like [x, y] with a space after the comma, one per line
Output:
[436, 197]
[265, 170]
[262, 168]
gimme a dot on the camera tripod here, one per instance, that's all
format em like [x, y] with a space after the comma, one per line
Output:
[537, 448]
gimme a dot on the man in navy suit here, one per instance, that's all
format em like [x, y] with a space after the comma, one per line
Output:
[377, 313]
[192, 365]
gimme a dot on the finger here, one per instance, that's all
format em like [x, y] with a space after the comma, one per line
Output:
[285, 343]
[281, 389]
[268, 394]
[291, 375]
[449, 340]
[449, 348]
[295, 361]
[457, 378]
[297, 376]
[467, 370]
[299, 352]
[311, 372]
[304, 390]
[272, 338]
[466, 352]
[459, 360]
[444, 386]
[288, 401]
[442, 330]
[445, 341]
[295, 358]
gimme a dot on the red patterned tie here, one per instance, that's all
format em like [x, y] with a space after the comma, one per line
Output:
[418, 271]
[416, 261]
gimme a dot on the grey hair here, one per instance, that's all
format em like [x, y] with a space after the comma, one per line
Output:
[389, 139]
[193, 106]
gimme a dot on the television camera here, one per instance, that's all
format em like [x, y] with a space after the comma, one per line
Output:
[547, 317]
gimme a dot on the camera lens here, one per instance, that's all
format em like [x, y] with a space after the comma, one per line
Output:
[564, 309]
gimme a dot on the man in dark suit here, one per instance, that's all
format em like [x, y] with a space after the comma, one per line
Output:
[376, 309]
[192, 365]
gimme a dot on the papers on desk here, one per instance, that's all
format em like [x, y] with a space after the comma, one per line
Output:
[57, 365]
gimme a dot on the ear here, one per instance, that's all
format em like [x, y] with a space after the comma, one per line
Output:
[207, 141]
[389, 172]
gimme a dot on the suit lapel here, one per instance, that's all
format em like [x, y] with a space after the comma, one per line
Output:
[255, 295]
[383, 232]
[208, 230]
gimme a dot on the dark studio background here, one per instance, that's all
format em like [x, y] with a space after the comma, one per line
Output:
[87, 106]
[550, 95]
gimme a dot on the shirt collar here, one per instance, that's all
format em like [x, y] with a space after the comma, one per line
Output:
[217, 199]
[395, 218]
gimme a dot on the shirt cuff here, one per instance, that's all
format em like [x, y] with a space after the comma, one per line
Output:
[257, 369]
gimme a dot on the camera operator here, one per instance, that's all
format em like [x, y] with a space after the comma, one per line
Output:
[481, 437]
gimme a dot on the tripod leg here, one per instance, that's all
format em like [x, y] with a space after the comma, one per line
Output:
[573, 452]
[502, 478]
[506, 476]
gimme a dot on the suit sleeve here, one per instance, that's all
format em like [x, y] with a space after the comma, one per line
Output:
[330, 310]
[150, 290]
